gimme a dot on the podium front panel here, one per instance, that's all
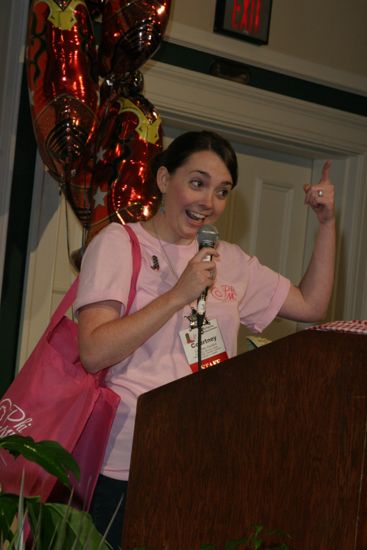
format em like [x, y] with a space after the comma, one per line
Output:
[276, 437]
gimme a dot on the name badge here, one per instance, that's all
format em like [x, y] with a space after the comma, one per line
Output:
[212, 346]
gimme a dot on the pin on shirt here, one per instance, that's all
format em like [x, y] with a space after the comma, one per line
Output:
[155, 263]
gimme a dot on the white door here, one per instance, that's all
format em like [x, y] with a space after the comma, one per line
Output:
[265, 216]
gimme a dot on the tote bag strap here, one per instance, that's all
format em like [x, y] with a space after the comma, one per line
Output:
[70, 296]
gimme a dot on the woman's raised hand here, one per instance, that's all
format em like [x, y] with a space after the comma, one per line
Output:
[320, 197]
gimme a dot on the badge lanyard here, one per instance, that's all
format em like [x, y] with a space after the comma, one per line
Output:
[202, 341]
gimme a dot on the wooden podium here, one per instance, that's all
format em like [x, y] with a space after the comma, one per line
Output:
[276, 436]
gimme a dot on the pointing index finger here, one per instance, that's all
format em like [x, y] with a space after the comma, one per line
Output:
[325, 171]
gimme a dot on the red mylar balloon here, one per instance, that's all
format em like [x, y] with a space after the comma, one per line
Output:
[129, 136]
[78, 192]
[78, 189]
[63, 84]
[131, 32]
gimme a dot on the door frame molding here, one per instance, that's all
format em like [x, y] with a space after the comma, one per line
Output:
[223, 46]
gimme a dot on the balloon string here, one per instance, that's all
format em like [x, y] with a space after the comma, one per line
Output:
[122, 221]
[74, 257]
[67, 227]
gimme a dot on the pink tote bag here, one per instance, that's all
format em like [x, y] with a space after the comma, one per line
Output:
[54, 398]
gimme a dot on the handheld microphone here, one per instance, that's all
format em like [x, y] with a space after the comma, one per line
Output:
[207, 237]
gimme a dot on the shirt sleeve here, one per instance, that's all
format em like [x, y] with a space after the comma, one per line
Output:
[106, 268]
[264, 294]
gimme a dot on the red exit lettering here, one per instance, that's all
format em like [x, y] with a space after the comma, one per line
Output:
[246, 15]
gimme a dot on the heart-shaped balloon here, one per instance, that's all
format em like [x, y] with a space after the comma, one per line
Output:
[63, 83]
[131, 32]
[129, 136]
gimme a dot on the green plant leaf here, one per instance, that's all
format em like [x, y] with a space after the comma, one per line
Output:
[48, 454]
[235, 543]
[8, 511]
[259, 534]
[62, 526]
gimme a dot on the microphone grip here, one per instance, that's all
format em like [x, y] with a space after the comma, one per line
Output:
[201, 303]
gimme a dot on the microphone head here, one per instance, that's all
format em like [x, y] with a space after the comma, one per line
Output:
[207, 236]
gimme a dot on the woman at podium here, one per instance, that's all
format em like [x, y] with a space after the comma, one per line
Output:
[193, 292]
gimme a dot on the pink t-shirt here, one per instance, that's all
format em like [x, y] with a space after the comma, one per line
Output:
[244, 292]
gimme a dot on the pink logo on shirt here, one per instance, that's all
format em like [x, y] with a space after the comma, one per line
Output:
[224, 293]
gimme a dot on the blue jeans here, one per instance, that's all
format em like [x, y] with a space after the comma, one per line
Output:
[106, 500]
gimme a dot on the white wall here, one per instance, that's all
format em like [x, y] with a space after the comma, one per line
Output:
[324, 32]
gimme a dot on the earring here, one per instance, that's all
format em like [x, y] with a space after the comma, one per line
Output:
[162, 207]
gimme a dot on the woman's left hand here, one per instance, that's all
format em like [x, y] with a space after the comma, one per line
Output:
[320, 197]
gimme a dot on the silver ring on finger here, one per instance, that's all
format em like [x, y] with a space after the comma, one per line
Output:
[320, 193]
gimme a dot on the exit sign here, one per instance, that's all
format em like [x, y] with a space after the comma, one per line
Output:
[244, 19]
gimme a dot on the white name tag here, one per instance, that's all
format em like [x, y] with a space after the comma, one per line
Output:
[212, 346]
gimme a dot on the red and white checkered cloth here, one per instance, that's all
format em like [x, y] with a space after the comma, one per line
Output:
[359, 327]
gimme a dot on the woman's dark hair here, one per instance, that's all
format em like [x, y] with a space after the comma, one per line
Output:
[180, 149]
